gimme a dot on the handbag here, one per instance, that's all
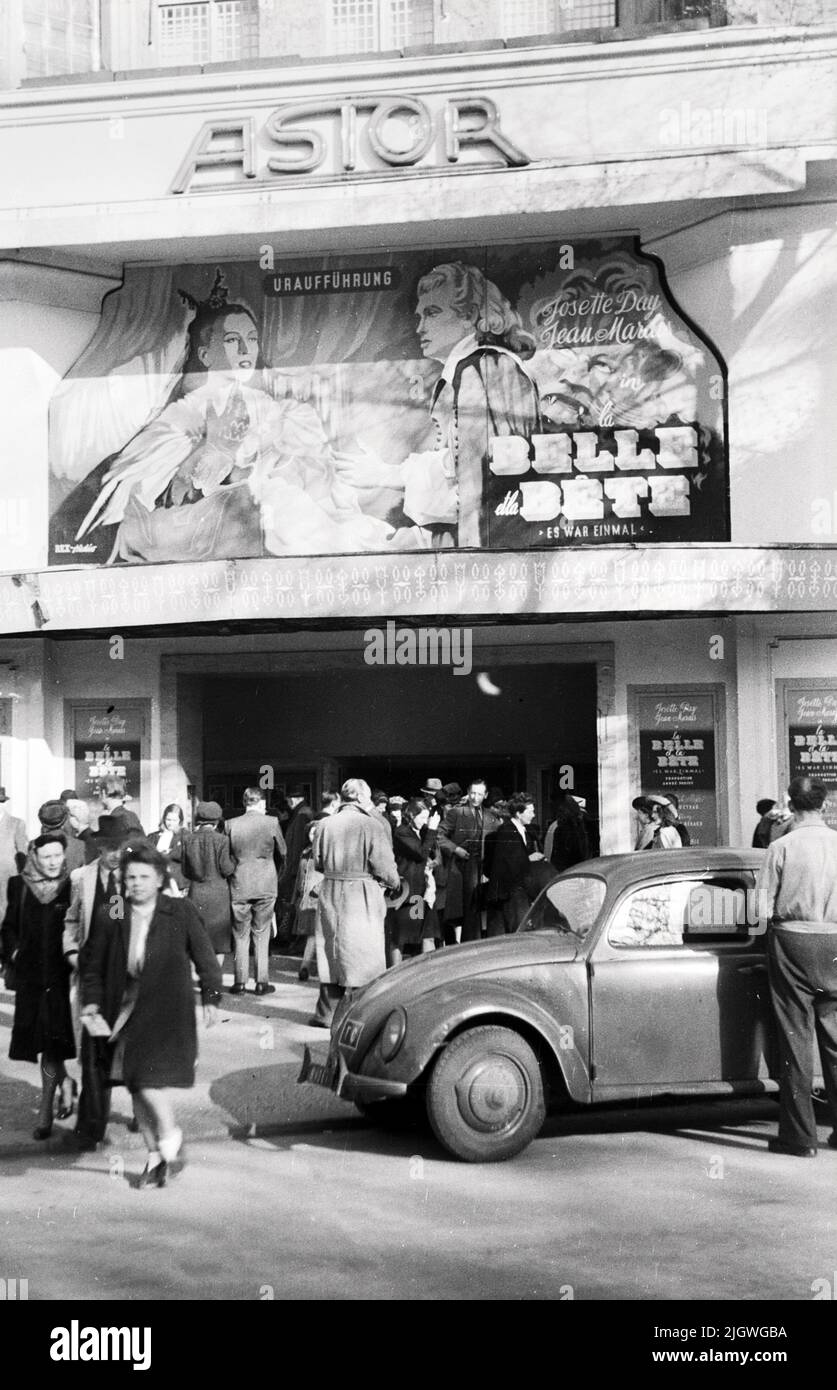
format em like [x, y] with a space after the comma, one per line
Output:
[10, 976]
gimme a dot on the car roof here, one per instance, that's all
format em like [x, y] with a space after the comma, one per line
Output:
[622, 870]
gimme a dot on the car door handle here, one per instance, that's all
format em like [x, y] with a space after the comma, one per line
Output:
[752, 969]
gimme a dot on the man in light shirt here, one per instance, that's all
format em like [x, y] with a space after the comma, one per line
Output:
[796, 890]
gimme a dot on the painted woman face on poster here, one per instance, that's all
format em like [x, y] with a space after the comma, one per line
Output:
[406, 406]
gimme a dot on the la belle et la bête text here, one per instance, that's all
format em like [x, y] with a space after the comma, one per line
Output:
[577, 458]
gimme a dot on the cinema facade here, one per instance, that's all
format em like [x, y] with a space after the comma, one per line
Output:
[255, 429]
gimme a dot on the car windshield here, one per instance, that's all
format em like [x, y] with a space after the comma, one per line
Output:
[570, 904]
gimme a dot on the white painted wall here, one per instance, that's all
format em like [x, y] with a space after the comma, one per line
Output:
[763, 286]
[47, 316]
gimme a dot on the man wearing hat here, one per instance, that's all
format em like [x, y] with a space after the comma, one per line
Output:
[96, 885]
[55, 820]
[14, 843]
[114, 795]
[433, 789]
[453, 792]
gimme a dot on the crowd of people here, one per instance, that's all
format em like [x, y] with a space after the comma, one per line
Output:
[105, 928]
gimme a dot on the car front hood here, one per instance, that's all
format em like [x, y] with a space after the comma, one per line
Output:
[452, 963]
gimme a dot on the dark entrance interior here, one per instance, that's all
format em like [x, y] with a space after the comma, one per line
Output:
[394, 726]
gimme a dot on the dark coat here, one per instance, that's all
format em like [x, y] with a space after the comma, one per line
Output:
[506, 862]
[208, 865]
[412, 852]
[161, 1044]
[296, 840]
[570, 844]
[42, 1020]
[459, 831]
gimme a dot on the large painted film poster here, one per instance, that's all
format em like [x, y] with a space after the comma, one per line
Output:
[513, 397]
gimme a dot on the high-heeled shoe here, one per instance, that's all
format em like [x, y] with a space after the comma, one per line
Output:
[170, 1168]
[42, 1131]
[65, 1106]
[149, 1175]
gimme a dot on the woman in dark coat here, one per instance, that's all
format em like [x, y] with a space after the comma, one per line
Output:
[32, 943]
[413, 925]
[208, 866]
[137, 974]
[566, 840]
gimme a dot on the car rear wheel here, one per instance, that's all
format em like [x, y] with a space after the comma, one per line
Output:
[485, 1098]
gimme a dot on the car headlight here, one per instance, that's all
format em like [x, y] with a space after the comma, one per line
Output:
[393, 1033]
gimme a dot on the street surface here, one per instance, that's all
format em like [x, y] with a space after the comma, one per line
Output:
[289, 1193]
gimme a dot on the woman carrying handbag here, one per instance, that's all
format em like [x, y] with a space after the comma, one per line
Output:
[137, 976]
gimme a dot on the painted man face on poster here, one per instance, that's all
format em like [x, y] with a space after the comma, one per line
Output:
[465, 322]
[440, 324]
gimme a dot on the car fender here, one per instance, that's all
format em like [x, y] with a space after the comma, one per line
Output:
[434, 1018]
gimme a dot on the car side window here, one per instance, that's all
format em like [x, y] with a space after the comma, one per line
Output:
[684, 912]
[719, 909]
[652, 916]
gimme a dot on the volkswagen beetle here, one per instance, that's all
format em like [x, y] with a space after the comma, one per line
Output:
[632, 975]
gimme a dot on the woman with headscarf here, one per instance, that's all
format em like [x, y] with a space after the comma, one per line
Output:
[32, 946]
[137, 974]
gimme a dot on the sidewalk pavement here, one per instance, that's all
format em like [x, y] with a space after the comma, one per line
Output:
[245, 1082]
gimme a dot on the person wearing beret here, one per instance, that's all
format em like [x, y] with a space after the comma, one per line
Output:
[136, 975]
[208, 866]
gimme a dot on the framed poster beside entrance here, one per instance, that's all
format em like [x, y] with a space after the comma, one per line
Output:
[110, 738]
[678, 738]
[807, 721]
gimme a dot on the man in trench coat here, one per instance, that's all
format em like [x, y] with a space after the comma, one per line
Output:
[353, 852]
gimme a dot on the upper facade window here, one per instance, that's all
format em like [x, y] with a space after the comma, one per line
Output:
[60, 36]
[372, 26]
[522, 17]
[214, 31]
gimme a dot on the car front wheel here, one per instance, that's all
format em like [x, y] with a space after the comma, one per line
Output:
[485, 1097]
